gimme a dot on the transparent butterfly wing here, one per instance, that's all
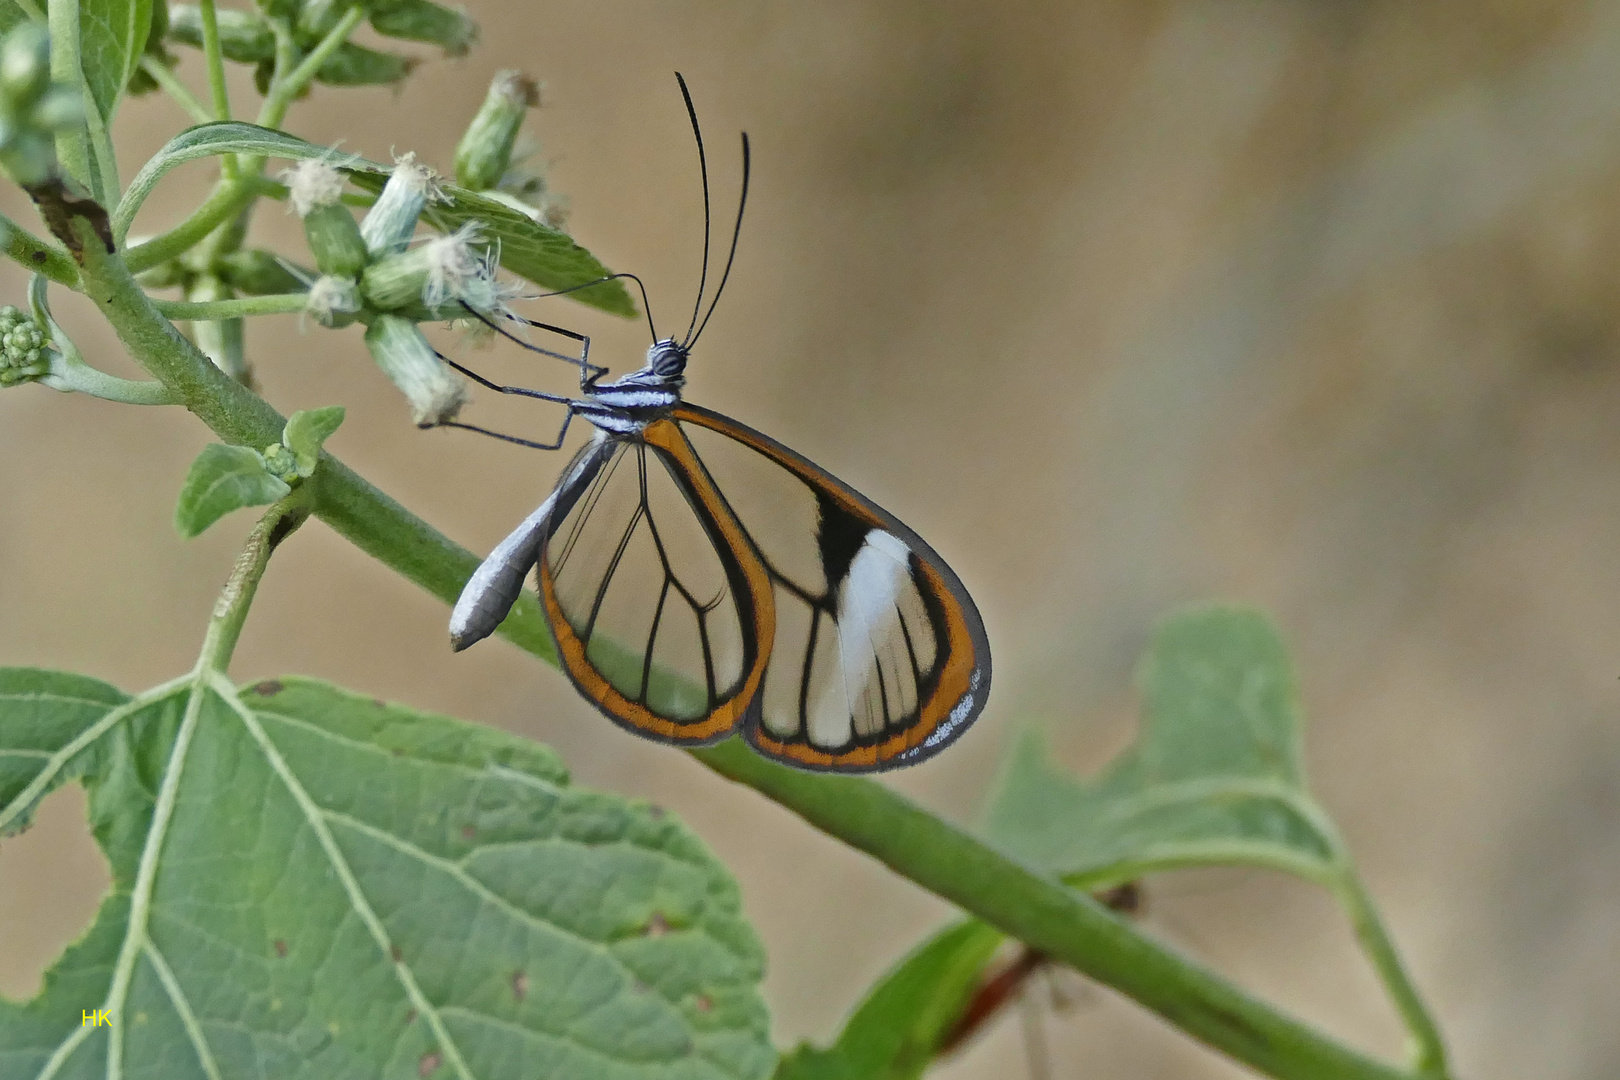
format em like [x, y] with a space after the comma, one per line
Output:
[879, 657]
[656, 618]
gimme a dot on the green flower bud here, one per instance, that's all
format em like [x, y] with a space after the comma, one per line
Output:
[333, 301]
[485, 151]
[25, 64]
[257, 272]
[423, 20]
[391, 221]
[434, 279]
[244, 36]
[436, 393]
[356, 65]
[24, 348]
[315, 189]
[280, 463]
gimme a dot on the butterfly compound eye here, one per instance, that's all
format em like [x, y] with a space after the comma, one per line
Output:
[667, 358]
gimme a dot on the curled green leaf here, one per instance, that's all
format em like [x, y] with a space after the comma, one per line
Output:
[306, 430]
[222, 479]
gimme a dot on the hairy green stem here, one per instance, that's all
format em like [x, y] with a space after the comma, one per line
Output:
[231, 608]
[171, 85]
[859, 812]
[38, 256]
[236, 308]
[227, 200]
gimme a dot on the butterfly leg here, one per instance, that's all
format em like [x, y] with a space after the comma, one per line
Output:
[588, 372]
[522, 391]
[532, 444]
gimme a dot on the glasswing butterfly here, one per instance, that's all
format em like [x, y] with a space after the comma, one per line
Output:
[700, 579]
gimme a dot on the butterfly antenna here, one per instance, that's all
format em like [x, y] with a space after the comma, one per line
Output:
[646, 307]
[703, 169]
[736, 234]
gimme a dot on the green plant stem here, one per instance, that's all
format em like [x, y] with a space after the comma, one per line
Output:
[1047, 915]
[231, 608]
[216, 62]
[227, 200]
[38, 256]
[860, 812]
[171, 85]
[239, 307]
[224, 628]
[72, 143]
[1428, 1048]
[286, 87]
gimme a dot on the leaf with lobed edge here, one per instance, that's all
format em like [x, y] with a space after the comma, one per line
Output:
[1214, 778]
[351, 889]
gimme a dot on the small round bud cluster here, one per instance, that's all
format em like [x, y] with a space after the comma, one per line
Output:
[280, 463]
[32, 108]
[24, 348]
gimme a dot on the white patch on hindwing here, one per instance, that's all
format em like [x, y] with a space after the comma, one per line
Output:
[877, 680]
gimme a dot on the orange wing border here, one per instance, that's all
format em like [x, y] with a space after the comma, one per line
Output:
[963, 683]
[737, 550]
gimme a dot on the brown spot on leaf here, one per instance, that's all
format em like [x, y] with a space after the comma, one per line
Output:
[280, 947]
[468, 833]
[703, 1003]
[37, 257]
[430, 1062]
[656, 812]
[657, 926]
[410, 1017]
[379, 702]
[395, 954]
[520, 985]
[268, 688]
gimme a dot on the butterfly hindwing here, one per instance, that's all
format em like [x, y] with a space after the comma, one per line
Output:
[879, 657]
[661, 611]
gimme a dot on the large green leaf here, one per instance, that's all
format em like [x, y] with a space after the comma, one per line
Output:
[529, 249]
[896, 1031]
[349, 889]
[1214, 777]
[112, 35]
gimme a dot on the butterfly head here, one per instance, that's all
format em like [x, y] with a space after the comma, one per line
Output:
[666, 358]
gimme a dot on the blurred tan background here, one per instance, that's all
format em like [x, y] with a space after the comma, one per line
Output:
[1314, 305]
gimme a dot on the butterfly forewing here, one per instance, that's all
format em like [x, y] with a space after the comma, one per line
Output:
[653, 621]
[879, 656]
